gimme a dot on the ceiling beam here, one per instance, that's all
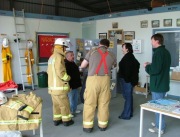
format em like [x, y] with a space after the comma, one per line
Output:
[11, 4]
[116, 7]
[84, 5]
[35, 3]
[56, 11]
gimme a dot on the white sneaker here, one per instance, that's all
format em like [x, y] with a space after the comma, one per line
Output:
[153, 124]
[155, 130]
[78, 111]
[71, 115]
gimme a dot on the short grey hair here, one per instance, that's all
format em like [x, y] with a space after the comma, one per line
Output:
[67, 53]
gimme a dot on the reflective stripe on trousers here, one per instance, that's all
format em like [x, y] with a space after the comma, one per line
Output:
[61, 107]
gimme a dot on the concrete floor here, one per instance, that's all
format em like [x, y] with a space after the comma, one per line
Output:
[116, 128]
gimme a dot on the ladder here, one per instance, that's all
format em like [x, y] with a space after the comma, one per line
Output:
[21, 42]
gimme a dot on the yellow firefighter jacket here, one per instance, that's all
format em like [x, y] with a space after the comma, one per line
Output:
[21, 112]
[57, 76]
[6, 52]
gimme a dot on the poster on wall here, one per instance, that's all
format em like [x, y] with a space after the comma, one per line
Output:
[79, 49]
[45, 45]
[137, 46]
[118, 34]
[111, 45]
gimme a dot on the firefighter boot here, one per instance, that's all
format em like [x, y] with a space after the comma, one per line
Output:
[102, 129]
[68, 123]
[88, 130]
[57, 122]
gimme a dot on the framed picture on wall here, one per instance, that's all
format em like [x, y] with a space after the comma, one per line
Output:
[167, 22]
[155, 23]
[102, 35]
[118, 34]
[115, 25]
[178, 22]
[144, 24]
[129, 36]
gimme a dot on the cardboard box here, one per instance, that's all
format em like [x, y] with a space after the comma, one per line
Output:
[175, 75]
[139, 89]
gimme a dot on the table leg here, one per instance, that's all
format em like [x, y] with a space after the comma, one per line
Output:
[141, 123]
[160, 124]
[34, 132]
[16, 90]
[41, 130]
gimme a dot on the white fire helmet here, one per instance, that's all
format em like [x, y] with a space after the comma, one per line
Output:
[61, 41]
[3, 98]
[29, 44]
[5, 42]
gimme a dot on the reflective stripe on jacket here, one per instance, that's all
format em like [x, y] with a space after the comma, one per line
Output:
[10, 122]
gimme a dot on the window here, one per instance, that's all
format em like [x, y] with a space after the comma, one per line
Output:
[172, 44]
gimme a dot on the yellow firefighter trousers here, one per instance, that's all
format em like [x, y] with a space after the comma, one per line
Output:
[97, 94]
[61, 107]
[7, 75]
[29, 54]
[28, 72]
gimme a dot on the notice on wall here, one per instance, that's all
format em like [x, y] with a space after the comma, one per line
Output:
[46, 43]
[137, 46]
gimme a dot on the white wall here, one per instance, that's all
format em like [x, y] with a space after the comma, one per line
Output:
[132, 23]
[89, 30]
[33, 26]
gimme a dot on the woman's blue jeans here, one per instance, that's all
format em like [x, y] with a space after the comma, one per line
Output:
[127, 91]
[155, 96]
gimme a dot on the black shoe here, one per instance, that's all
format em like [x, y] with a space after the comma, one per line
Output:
[88, 130]
[68, 123]
[125, 118]
[57, 122]
[102, 129]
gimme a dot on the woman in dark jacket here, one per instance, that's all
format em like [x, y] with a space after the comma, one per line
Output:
[128, 74]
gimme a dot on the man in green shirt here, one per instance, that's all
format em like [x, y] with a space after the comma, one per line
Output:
[159, 75]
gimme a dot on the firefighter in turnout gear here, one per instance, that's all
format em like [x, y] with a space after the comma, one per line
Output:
[6, 60]
[29, 58]
[98, 96]
[58, 85]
